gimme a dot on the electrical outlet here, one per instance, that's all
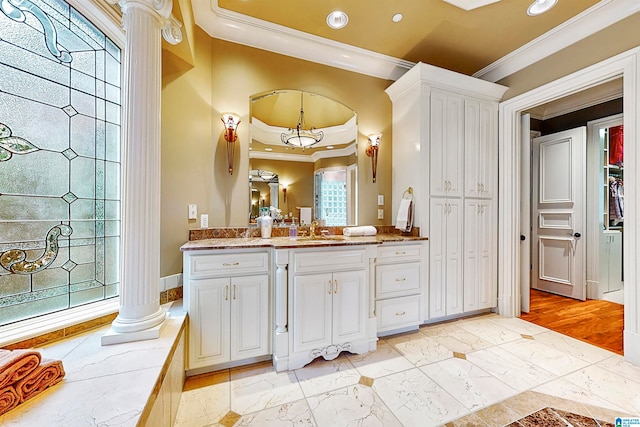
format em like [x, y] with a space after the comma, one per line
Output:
[380, 213]
[380, 199]
[193, 211]
[204, 221]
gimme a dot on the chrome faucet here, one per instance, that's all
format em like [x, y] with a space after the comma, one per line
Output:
[312, 229]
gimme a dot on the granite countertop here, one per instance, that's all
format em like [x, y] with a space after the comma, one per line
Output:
[293, 242]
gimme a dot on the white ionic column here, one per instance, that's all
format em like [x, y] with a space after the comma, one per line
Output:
[140, 316]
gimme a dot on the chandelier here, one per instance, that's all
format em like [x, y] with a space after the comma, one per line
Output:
[299, 137]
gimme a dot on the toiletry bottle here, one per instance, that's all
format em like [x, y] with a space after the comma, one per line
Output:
[293, 229]
[266, 223]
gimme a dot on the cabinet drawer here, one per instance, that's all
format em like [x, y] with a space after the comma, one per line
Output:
[396, 313]
[229, 263]
[322, 261]
[397, 279]
[399, 252]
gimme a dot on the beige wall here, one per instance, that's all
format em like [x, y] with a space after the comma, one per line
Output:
[194, 159]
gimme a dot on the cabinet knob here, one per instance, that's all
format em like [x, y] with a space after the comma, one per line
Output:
[523, 237]
[577, 235]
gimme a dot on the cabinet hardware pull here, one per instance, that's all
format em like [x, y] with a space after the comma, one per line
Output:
[335, 290]
[400, 313]
[400, 279]
[234, 291]
[226, 293]
[400, 252]
[330, 286]
[230, 264]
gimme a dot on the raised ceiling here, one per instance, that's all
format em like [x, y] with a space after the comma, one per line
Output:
[431, 31]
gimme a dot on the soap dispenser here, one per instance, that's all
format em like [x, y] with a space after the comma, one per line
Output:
[293, 229]
[266, 224]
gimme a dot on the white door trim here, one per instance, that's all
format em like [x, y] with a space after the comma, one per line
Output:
[623, 65]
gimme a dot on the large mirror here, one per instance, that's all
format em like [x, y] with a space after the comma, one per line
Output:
[302, 158]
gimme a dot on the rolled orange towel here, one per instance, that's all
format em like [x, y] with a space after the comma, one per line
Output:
[17, 364]
[8, 399]
[50, 372]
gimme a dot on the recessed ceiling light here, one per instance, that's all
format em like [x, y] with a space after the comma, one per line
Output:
[540, 6]
[337, 19]
[268, 149]
[397, 17]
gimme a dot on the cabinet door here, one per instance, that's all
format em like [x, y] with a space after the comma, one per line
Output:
[453, 257]
[480, 148]
[209, 317]
[349, 306]
[480, 275]
[487, 249]
[446, 140]
[312, 298]
[249, 316]
[437, 257]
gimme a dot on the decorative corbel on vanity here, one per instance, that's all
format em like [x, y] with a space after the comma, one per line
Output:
[321, 297]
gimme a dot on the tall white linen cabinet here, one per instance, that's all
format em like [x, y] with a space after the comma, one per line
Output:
[445, 147]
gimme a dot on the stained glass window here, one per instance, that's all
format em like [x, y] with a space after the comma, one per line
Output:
[59, 160]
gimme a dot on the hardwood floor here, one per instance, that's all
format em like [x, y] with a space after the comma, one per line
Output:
[594, 321]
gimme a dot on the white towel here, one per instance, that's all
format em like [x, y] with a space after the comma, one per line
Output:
[305, 216]
[364, 230]
[403, 219]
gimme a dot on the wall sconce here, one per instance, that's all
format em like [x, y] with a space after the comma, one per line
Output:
[284, 192]
[372, 151]
[231, 122]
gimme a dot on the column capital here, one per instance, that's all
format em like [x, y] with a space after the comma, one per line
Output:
[171, 27]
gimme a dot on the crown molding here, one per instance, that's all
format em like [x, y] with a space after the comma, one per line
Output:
[238, 28]
[592, 20]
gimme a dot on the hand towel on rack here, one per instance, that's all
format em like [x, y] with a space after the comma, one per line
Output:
[364, 230]
[403, 219]
[305, 216]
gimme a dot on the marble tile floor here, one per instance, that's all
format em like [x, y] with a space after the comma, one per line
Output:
[481, 371]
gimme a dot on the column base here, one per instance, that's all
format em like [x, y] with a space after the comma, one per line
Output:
[113, 337]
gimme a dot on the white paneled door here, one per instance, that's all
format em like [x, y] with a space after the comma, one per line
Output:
[559, 190]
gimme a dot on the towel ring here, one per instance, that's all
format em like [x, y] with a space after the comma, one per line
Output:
[408, 194]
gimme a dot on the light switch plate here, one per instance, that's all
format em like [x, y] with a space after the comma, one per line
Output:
[193, 211]
[380, 199]
[204, 221]
[380, 213]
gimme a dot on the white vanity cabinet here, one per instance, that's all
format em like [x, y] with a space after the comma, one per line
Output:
[227, 297]
[328, 305]
[400, 287]
[329, 309]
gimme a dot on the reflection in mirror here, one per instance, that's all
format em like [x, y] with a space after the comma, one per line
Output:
[263, 186]
[322, 178]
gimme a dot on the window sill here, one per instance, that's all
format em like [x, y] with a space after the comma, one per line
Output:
[56, 326]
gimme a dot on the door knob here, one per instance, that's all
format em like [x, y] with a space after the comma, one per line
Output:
[577, 234]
